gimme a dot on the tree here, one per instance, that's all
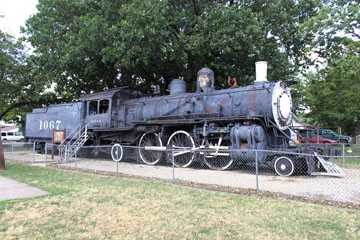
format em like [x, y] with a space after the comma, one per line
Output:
[93, 45]
[68, 37]
[88, 45]
[331, 94]
[22, 87]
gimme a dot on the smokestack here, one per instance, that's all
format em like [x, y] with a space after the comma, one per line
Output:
[261, 71]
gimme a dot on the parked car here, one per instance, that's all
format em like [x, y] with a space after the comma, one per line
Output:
[330, 134]
[312, 138]
[12, 136]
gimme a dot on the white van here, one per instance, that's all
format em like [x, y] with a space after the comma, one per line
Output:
[12, 136]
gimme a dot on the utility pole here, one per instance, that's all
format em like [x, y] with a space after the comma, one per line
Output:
[2, 159]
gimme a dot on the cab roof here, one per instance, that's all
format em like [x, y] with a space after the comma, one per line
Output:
[100, 95]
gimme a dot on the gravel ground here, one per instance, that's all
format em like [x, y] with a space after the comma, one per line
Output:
[345, 189]
[343, 192]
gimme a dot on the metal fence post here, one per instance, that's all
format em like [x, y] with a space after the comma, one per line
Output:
[12, 151]
[76, 159]
[173, 166]
[67, 158]
[61, 152]
[33, 153]
[45, 153]
[117, 166]
[343, 154]
[117, 162]
[257, 172]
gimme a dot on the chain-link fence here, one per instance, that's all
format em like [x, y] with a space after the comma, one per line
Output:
[334, 177]
[19, 151]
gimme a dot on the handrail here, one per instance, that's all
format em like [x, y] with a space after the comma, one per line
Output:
[77, 129]
[77, 133]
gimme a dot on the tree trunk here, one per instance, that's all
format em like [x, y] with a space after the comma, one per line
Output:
[2, 159]
[190, 79]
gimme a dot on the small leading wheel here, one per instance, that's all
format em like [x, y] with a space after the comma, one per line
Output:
[218, 162]
[181, 144]
[284, 166]
[150, 157]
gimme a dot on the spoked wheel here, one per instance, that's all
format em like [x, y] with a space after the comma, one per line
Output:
[181, 144]
[218, 162]
[284, 166]
[150, 157]
[217, 157]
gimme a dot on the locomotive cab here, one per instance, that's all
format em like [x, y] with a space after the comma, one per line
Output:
[100, 108]
[98, 113]
[105, 110]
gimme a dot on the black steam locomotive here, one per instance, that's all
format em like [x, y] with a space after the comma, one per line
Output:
[216, 127]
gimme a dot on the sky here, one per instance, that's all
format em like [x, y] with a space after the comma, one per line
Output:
[15, 13]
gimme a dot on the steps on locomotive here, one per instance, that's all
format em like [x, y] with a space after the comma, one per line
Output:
[69, 148]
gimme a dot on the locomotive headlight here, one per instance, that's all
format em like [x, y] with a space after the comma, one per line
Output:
[281, 106]
[285, 105]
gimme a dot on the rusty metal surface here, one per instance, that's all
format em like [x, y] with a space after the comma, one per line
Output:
[250, 101]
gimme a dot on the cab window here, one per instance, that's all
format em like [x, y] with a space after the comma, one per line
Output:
[104, 106]
[10, 134]
[93, 107]
[328, 132]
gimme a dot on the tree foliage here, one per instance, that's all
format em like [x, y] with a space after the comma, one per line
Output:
[90, 45]
[68, 37]
[21, 86]
[331, 95]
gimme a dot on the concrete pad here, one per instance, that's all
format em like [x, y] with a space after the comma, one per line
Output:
[11, 189]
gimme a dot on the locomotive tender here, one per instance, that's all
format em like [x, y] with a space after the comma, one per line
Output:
[216, 127]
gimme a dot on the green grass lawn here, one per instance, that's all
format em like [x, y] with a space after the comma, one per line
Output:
[84, 206]
[352, 160]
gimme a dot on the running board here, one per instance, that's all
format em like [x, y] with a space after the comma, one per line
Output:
[331, 168]
[163, 149]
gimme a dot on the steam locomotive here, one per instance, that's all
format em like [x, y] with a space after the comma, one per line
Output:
[216, 127]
